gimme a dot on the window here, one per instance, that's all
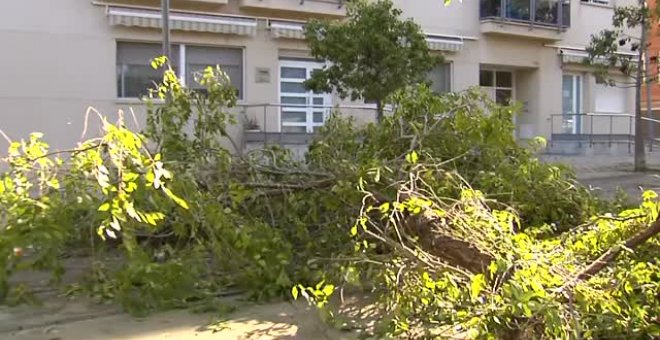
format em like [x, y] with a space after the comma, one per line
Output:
[230, 61]
[498, 85]
[135, 76]
[610, 99]
[440, 78]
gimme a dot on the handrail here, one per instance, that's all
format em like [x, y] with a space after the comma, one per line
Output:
[268, 116]
[574, 124]
[366, 107]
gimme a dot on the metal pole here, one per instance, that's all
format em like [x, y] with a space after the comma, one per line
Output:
[611, 129]
[165, 9]
[591, 132]
[265, 126]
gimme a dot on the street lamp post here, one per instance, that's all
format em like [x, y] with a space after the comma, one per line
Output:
[165, 8]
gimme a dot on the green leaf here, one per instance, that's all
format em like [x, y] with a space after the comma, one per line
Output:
[328, 290]
[183, 204]
[104, 207]
[294, 292]
[354, 230]
[649, 195]
[53, 183]
[477, 285]
[384, 208]
[412, 157]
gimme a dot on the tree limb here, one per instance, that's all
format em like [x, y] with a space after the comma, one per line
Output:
[611, 254]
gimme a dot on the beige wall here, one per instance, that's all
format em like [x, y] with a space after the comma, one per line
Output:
[59, 58]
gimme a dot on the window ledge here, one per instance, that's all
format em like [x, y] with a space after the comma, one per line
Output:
[136, 101]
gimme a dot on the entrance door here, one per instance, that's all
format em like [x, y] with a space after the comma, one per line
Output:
[498, 85]
[302, 111]
[571, 104]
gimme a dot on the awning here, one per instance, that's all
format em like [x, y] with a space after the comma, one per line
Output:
[287, 29]
[579, 55]
[444, 43]
[125, 16]
[573, 56]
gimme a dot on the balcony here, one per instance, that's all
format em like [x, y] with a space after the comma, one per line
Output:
[318, 7]
[293, 126]
[536, 19]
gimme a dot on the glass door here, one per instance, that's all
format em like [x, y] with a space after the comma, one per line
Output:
[571, 104]
[301, 111]
[498, 85]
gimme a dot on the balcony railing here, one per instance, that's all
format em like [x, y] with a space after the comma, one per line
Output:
[275, 124]
[317, 7]
[610, 128]
[553, 13]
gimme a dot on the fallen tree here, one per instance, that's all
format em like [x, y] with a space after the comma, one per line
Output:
[436, 211]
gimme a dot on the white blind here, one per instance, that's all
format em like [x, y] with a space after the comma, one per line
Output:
[133, 53]
[609, 99]
[440, 78]
[230, 61]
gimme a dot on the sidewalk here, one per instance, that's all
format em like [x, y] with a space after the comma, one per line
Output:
[72, 320]
[605, 174]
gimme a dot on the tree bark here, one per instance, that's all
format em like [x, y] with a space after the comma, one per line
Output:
[640, 157]
[449, 249]
[611, 254]
[650, 135]
[379, 111]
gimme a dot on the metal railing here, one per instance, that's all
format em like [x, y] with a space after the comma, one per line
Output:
[554, 13]
[600, 127]
[279, 123]
[339, 3]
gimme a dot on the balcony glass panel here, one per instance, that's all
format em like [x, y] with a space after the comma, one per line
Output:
[518, 9]
[547, 12]
[543, 12]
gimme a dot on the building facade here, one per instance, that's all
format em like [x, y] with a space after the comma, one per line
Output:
[653, 128]
[60, 57]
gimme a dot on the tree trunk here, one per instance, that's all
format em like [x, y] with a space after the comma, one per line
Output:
[640, 157]
[379, 111]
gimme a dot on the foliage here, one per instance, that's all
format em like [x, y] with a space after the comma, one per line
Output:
[472, 135]
[383, 207]
[444, 267]
[47, 200]
[371, 54]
